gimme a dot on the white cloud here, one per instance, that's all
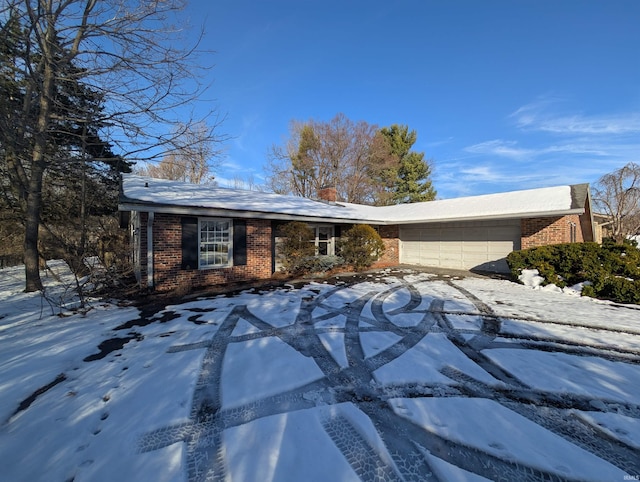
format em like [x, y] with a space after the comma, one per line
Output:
[500, 148]
[462, 178]
[539, 116]
[481, 173]
[440, 142]
[551, 147]
[586, 148]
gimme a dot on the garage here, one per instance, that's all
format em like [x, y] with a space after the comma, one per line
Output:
[481, 245]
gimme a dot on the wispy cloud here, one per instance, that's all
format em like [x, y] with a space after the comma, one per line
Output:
[587, 148]
[540, 116]
[462, 179]
[501, 148]
[248, 126]
[440, 142]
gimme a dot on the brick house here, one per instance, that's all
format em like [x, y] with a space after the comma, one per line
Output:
[186, 235]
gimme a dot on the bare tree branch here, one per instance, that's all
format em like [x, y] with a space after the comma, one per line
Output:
[136, 54]
[617, 195]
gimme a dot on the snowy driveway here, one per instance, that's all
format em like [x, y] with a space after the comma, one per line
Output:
[399, 376]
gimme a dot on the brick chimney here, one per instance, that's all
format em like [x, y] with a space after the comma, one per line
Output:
[329, 194]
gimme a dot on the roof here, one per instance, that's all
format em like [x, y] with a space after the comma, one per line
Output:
[161, 195]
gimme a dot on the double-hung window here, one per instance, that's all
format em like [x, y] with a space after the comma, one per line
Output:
[216, 242]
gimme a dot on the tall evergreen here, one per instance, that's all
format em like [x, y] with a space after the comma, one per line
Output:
[409, 179]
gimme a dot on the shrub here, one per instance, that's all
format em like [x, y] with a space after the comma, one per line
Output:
[612, 269]
[319, 264]
[616, 288]
[361, 246]
[296, 245]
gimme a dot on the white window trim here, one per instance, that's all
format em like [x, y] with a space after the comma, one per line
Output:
[229, 262]
[331, 248]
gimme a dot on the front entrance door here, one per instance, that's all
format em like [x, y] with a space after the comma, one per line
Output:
[324, 240]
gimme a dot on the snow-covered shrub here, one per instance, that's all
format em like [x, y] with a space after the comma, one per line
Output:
[613, 270]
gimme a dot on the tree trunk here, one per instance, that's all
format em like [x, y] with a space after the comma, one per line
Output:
[34, 208]
[38, 166]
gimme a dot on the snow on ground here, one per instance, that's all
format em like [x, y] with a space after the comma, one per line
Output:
[404, 376]
[501, 432]
[264, 367]
[283, 435]
[615, 425]
[424, 363]
[564, 373]
[508, 299]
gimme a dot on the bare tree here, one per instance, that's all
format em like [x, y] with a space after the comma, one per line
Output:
[198, 147]
[195, 156]
[617, 195]
[170, 167]
[248, 184]
[126, 51]
[339, 153]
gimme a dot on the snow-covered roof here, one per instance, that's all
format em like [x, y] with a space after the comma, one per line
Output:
[161, 195]
[547, 201]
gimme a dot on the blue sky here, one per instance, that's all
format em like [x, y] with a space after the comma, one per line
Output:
[503, 95]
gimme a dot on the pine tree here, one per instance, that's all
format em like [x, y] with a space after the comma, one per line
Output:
[409, 179]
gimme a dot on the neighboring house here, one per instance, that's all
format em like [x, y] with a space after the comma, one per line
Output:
[197, 235]
[602, 227]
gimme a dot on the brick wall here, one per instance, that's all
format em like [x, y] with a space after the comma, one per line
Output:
[167, 245]
[555, 230]
[390, 236]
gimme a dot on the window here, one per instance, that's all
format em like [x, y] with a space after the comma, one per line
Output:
[215, 243]
[324, 238]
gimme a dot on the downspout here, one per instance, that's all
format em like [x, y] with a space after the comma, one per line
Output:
[150, 249]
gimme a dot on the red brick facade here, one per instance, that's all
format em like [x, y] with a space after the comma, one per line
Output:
[390, 236]
[167, 246]
[555, 230]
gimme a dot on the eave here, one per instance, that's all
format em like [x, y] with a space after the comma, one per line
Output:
[128, 205]
[236, 213]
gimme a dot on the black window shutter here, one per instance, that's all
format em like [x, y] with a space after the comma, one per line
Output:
[337, 231]
[239, 242]
[125, 219]
[190, 243]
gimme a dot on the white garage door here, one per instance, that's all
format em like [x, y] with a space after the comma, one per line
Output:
[481, 245]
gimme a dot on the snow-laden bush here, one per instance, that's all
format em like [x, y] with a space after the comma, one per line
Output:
[612, 270]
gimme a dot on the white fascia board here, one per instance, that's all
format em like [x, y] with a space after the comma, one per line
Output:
[232, 213]
[490, 217]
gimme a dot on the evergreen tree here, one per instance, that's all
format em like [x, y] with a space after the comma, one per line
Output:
[79, 172]
[64, 66]
[408, 180]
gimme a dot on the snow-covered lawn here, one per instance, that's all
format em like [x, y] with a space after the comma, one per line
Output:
[399, 376]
